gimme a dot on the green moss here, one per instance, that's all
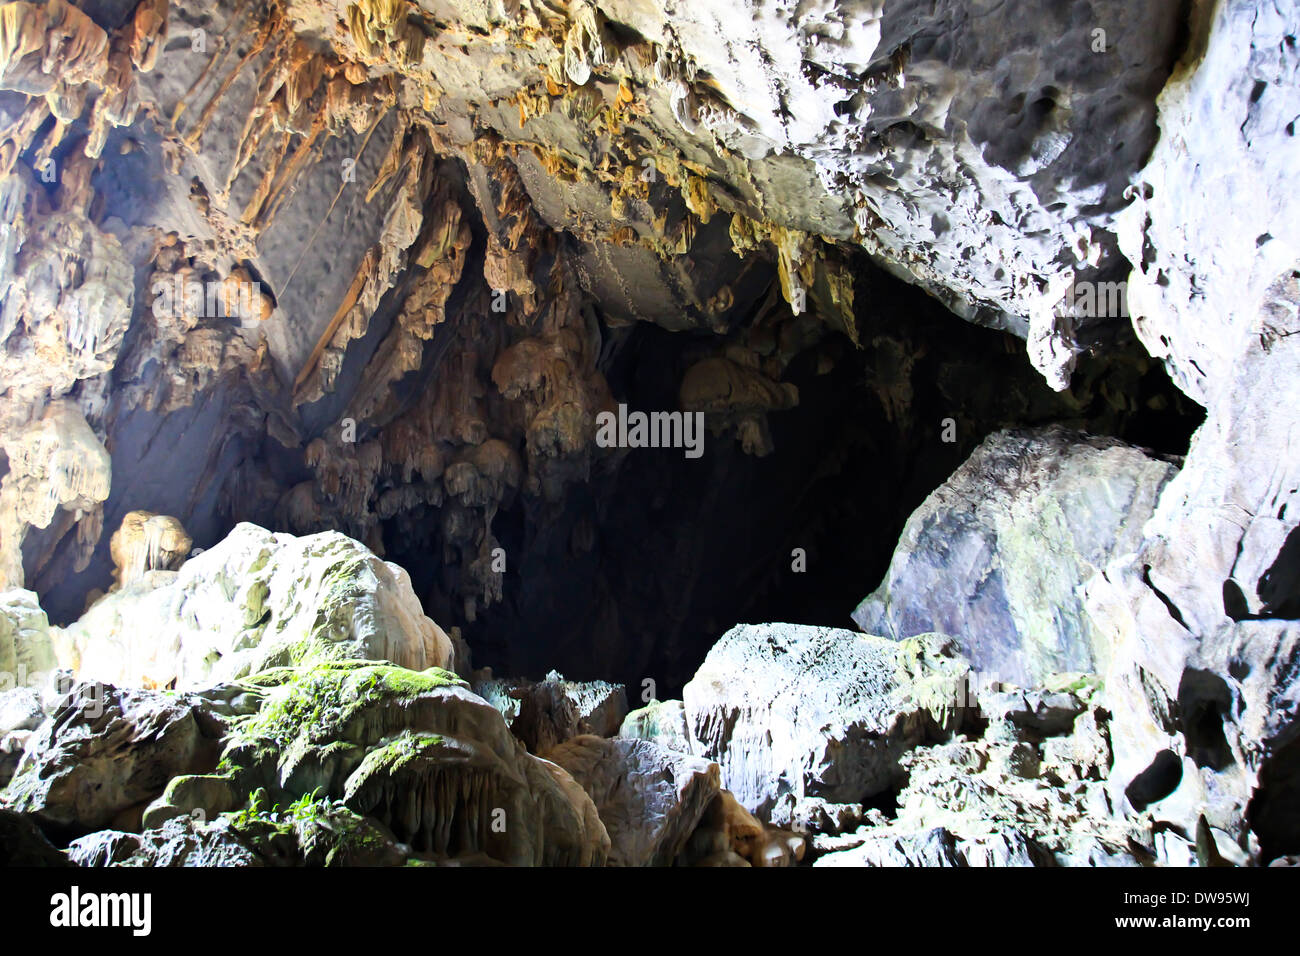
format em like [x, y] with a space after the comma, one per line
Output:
[310, 709]
[1082, 686]
[399, 753]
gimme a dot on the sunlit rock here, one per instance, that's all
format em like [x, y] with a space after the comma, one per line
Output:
[995, 557]
[794, 714]
[255, 600]
[414, 750]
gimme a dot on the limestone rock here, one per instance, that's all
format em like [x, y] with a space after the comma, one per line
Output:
[791, 712]
[994, 558]
[1030, 790]
[414, 751]
[662, 722]
[729, 835]
[55, 462]
[547, 713]
[649, 799]
[147, 542]
[253, 601]
[178, 842]
[105, 752]
[310, 833]
[26, 650]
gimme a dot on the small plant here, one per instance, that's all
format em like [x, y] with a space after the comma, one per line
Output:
[305, 807]
[254, 808]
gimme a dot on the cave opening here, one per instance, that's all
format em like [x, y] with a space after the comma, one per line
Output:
[632, 574]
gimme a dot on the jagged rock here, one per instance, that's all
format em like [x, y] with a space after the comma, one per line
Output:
[729, 835]
[254, 601]
[20, 714]
[939, 847]
[20, 709]
[547, 713]
[995, 556]
[1030, 790]
[662, 722]
[431, 239]
[23, 844]
[415, 751]
[650, 799]
[105, 752]
[792, 712]
[308, 834]
[178, 842]
[933, 847]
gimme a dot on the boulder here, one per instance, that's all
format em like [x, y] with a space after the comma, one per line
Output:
[660, 721]
[26, 651]
[20, 709]
[104, 753]
[309, 833]
[547, 713]
[255, 600]
[995, 557]
[413, 751]
[794, 714]
[729, 835]
[1029, 790]
[23, 844]
[650, 799]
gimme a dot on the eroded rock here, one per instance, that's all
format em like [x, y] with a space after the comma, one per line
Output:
[104, 753]
[254, 601]
[413, 750]
[793, 713]
[995, 557]
[650, 799]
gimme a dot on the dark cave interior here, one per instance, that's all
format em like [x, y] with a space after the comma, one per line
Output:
[636, 572]
[637, 567]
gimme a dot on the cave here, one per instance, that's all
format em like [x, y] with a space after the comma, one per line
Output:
[603, 433]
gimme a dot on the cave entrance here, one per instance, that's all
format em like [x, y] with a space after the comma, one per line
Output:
[636, 572]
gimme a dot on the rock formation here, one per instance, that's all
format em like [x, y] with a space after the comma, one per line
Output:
[310, 315]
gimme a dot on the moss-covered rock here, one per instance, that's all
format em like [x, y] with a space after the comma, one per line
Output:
[413, 751]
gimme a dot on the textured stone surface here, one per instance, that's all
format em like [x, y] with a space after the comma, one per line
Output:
[310, 834]
[256, 600]
[147, 542]
[432, 242]
[23, 844]
[792, 712]
[106, 751]
[549, 712]
[26, 649]
[1029, 791]
[995, 556]
[662, 722]
[650, 799]
[413, 750]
